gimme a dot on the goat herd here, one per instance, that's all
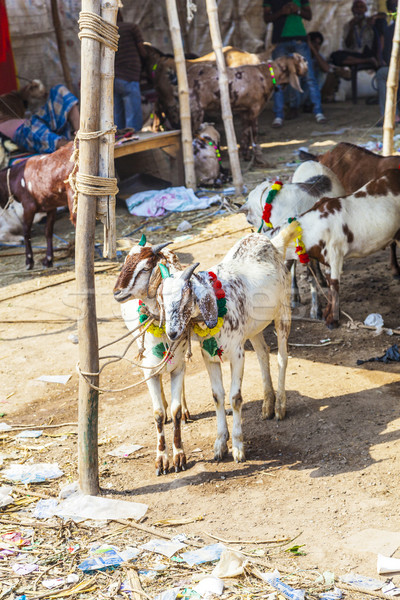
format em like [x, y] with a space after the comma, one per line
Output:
[331, 211]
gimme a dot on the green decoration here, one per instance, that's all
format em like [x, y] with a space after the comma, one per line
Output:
[142, 240]
[210, 345]
[159, 350]
[222, 310]
[290, 219]
[164, 271]
[143, 318]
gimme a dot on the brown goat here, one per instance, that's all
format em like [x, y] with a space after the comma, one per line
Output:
[354, 167]
[39, 185]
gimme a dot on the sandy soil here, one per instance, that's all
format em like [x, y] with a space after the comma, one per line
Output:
[328, 474]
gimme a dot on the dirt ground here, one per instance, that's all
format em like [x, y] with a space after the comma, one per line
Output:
[327, 475]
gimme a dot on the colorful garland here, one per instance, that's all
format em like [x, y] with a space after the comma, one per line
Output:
[300, 247]
[153, 329]
[217, 152]
[271, 72]
[210, 345]
[266, 216]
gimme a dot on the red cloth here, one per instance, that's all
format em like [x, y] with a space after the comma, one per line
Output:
[8, 80]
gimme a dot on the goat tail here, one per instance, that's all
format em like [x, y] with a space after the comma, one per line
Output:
[285, 236]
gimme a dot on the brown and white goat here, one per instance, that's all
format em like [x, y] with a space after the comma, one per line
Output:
[207, 156]
[139, 280]
[355, 166]
[351, 227]
[256, 285]
[38, 184]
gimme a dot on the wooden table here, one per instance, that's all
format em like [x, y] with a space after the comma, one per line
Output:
[158, 154]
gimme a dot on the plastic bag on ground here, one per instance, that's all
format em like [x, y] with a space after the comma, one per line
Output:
[203, 555]
[165, 547]
[231, 564]
[285, 589]
[81, 506]
[32, 473]
[210, 586]
[386, 564]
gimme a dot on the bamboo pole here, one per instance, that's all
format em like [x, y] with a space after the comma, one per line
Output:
[183, 90]
[106, 205]
[212, 11]
[84, 264]
[391, 90]
[60, 44]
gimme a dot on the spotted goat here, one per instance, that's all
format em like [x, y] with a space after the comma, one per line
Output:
[207, 156]
[232, 303]
[137, 283]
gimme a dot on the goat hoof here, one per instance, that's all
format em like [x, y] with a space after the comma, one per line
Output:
[238, 454]
[162, 466]
[186, 416]
[29, 267]
[179, 462]
[333, 325]
[47, 263]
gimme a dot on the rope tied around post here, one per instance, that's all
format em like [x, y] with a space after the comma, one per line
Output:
[94, 27]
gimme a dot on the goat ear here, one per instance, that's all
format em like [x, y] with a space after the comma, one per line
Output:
[160, 302]
[154, 282]
[293, 77]
[206, 299]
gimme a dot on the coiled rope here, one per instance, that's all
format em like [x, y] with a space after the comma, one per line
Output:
[94, 27]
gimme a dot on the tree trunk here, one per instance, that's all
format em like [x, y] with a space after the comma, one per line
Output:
[61, 45]
[391, 90]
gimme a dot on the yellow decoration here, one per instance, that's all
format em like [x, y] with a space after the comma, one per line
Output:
[156, 331]
[202, 332]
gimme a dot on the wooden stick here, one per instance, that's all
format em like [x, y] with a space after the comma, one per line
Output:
[211, 237]
[283, 540]
[391, 90]
[183, 91]
[60, 44]
[19, 427]
[153, 531]
[212, 11]
[88, 468]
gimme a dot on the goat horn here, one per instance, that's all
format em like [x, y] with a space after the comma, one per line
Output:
[188, 272]
[158, 247]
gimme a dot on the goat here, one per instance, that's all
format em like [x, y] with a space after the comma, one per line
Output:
[339, 228]
[254, 280]
[139, 280]
[11, 223]
[355, 166]
[14, 104]
[207, 156]
[292, 200]
[39, 185]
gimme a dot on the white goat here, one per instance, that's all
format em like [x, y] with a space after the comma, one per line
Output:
[11, 223]
[292, 200]
[139, 279]
[255, 281]
[352, 226]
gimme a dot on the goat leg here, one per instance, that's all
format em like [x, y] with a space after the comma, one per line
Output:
[237, 368]
[179, 457]
[282, 326]
[28, 220]
[331, 313]
[185, 411]
[51, 217]
[262, 350]
[215, 374]
[394, 265]
[154, 386]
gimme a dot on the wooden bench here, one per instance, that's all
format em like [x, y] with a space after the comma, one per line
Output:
[158, 154]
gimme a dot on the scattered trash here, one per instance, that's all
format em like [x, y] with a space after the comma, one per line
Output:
[5, 495]
[50, 584]
[32, 473]
[24, 568]
[334, 594]
[5, 427]
[45, 509]
[155, 203]
[391, 355]
[124, 450]
[29, 433]
[367, 583]
[209, 586]
[184, 226]
[73, 338]
[166, 547]
[80, 506]
[182, 238]
[386, 564]
[285, 589]
[374, 320]
[104, 556]
[203, 555]
[231, 564]
[327, 578]
[168, 594]
[390, 589]
[54, 378]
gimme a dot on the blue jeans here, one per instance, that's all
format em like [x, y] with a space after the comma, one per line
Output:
[127, 104]
[301, 47]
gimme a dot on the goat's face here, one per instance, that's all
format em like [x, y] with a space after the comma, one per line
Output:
[183, 297]
[140, 275]
[254, 205]
[288, 69]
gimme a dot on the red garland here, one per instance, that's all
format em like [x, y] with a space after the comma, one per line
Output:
[266, 216]
[217, 285]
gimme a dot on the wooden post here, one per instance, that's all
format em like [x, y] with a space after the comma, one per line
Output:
[84, 264]
[226, 110]
[106, 205]
[183, 90]
[391, 90]
[61, 45]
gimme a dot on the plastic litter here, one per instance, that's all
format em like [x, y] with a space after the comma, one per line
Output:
[54, 378]
[124, 450]
[5, 427]
[184, 226]
[168, 594]
[392, 354]
[334, 594]
[29, 433]
[203, 555]
[81, 506]
[285, 589]
[24, 568]
[367, 583]
[327, 578]
[103, 556]
[390, 589]
[45, 509]
[210, 586]
[50, 584]
[32, 473]
[165, 547]
[5, 495]
[231, 564]
[73, 338]
[386, 564]
[374, 320]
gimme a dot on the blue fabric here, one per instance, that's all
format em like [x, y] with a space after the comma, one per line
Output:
[285, 49]
[127, 104]
[41, 132]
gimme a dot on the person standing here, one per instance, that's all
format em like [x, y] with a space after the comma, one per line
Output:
[290, 36]
[128, 65]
